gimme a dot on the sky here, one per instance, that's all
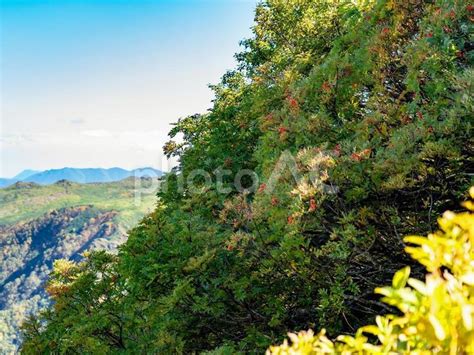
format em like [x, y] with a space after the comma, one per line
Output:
[98, 83]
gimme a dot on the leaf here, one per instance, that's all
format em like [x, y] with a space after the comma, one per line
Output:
[437, 326]
[467, 311]
[400, 278]
[468, 278]
[372, 329]
[419, 286]
[414, 239]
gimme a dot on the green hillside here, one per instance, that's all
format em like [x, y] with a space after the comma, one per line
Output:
[356, 117]
[40, 224]
[26, 201]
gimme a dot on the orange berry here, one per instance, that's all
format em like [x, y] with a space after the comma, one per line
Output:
[356, 157]
[326, 86]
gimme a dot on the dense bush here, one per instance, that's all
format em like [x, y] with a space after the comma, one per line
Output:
[377, 98]
[437, 315]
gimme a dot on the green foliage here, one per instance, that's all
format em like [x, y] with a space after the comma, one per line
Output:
[92, 279]
[437, 315]
[376, 96]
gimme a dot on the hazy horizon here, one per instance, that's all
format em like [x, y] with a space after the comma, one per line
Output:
[97, 84]
[81, 168]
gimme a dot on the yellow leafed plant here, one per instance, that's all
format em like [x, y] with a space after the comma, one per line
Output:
[437, 314]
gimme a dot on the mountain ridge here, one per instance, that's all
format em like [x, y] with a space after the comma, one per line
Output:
[79, 175]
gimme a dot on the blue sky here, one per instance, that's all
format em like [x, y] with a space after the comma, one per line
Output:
[98, 83]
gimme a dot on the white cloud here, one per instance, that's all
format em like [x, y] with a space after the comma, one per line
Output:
[100, 133]
[77, 121]
[16, 139]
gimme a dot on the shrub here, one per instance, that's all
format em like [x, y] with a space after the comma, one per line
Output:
[437, 315]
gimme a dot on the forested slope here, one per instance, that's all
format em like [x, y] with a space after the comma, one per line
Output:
[27, 254]
[40, 224]
[357, 119]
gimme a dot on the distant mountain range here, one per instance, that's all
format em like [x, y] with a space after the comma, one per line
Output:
[90, 175]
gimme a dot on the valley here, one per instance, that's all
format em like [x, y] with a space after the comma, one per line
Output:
[41, 224]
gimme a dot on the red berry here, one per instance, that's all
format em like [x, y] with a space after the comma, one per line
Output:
[293, 103]
[312, 205]
[290, 219]
[420, 115]
[282, 130]
[275, 201]
[262, 187]
[326, 86]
